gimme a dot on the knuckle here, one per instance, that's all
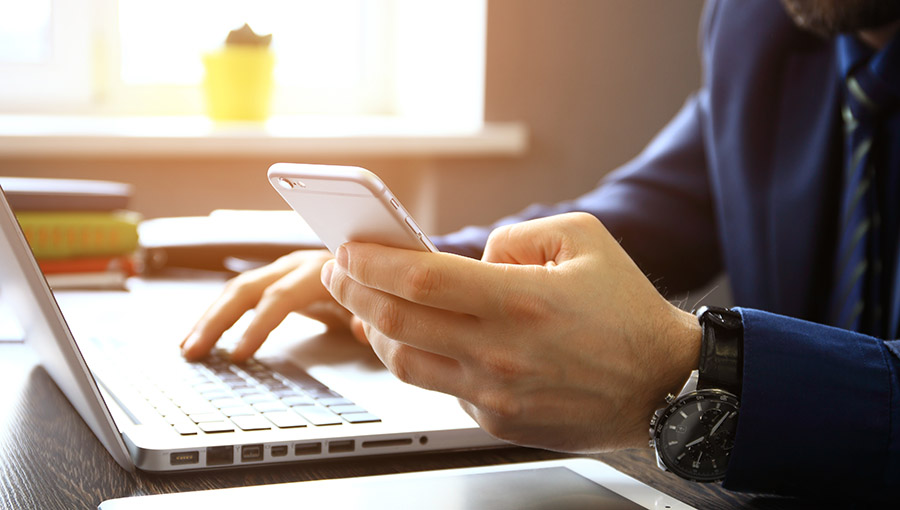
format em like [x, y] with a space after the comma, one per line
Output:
[387, 318]
[500, 407]
[503, 366]
[420, 282]
[499, 234]
[339, 287]
[397, 361]
[276, 292]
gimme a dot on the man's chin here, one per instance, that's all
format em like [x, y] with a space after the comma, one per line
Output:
[831, 17]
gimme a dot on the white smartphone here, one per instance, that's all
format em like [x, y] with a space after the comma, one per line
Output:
[347, 203]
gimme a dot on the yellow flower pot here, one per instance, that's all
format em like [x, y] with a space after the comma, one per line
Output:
[239, 82]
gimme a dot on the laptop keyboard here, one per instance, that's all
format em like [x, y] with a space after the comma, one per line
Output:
[215, 395]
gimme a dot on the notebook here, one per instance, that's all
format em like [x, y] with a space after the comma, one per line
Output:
[309, 395]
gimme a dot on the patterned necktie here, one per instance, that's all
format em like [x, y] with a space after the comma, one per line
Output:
[858, 292]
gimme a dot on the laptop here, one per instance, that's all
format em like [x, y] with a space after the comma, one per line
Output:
[309, 394]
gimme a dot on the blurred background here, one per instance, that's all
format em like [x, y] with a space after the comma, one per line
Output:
[468, 109]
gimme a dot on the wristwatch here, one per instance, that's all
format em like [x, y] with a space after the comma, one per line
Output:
[693, 436]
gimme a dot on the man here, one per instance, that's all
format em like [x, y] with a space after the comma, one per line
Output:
[782, 170]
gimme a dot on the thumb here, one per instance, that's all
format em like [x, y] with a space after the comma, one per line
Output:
[546, 241]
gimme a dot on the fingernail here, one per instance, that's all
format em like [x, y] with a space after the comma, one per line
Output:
[189, 342]
[327, 269]
[342, 257]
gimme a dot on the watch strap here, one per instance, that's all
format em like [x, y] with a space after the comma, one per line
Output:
[721, 350]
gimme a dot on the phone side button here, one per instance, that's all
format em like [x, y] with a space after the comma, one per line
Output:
[412, 225]
[395, 204]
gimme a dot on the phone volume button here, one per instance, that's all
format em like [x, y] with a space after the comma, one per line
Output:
[412, 225]
[395, 204]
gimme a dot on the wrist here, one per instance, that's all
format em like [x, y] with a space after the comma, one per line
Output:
[677, 355]
[686, 338]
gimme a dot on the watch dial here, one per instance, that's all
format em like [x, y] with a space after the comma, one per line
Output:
[696, 434]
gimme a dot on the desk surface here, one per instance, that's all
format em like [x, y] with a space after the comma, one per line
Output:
[50, 459]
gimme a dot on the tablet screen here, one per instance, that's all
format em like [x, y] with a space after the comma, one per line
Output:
[554, 487]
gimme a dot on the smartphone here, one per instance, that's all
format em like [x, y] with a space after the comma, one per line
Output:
[347, 203]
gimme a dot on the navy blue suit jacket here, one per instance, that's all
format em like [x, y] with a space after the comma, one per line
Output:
[746, 179]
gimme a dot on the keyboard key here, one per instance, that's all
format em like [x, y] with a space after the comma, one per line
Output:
[266, 407]
[329, 402]
[342, 410]
[285, 419]
[254, 422]
[197, 407]
[216, 394]
[178, 419]
[323, 392]
[227, 402]
[317, 415]
[167, 408]
[208, 386]
[207, 417]
[297, 400]
[256, 398]
[231, 378]
[186, 429]
[360, 418]
[216, 426]
[238, 411]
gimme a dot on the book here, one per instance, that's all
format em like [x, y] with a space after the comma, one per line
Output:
[60, 235]
[106, 280]
[38, 194]
[125, 264]
[210, 242]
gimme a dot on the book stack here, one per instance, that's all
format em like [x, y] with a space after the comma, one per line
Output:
[79, 231]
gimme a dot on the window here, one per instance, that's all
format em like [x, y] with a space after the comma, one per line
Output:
[334, 57]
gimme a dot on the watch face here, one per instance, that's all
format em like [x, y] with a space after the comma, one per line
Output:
[695, 435]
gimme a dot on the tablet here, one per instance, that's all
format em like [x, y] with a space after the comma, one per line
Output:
[569, 484]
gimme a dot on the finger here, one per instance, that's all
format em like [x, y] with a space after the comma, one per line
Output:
[357, 327]
[241, 294]
[297, 290]
[420, 368]
[430, 329]
[237, 298]
[545, 242]
[438, 280]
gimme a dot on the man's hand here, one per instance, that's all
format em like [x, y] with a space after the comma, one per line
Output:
[555, 339]
[290, 284]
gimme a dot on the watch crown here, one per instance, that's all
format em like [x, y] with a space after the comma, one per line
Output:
[652, 444]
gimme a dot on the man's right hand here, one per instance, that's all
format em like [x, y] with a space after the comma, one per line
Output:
[290, 284]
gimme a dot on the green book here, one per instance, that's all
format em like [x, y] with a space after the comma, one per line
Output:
[59, 235]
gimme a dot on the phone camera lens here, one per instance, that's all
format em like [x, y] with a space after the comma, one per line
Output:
[285, 183]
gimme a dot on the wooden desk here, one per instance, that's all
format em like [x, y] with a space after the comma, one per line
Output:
[50, 459]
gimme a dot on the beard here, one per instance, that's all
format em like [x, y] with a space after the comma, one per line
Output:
[831, 17]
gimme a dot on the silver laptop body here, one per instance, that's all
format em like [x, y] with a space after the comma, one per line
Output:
[115, 356]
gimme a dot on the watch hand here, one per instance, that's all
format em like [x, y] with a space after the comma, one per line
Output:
[695, 441]
[721, 420]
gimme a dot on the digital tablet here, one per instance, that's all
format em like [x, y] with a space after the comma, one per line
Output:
[569, 484]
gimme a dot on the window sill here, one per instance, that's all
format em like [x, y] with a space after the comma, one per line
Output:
[197, 136]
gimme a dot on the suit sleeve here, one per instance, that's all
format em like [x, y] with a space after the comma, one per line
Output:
[658, 206]
[820, 411]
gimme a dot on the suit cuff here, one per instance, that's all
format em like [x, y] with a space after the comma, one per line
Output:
[816, 409]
